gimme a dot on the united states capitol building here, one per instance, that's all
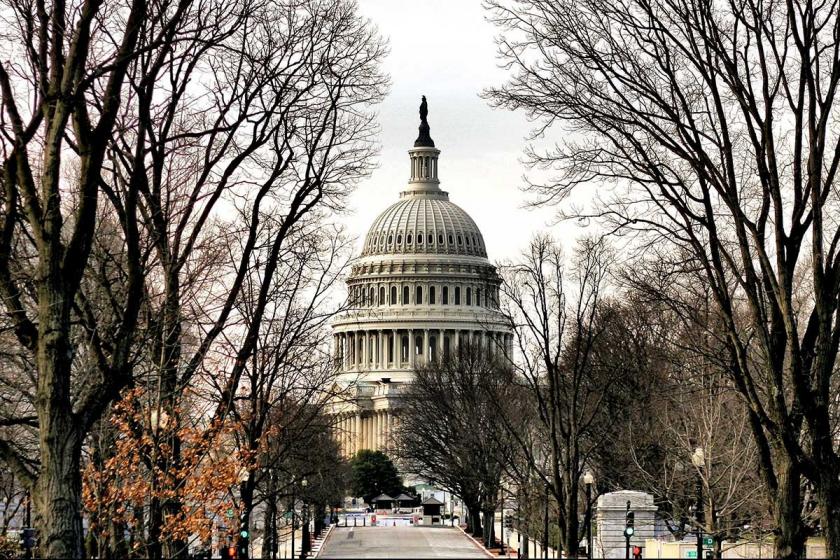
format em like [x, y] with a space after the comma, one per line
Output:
[421, 287]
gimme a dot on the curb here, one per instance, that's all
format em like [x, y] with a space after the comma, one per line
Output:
[324, 541]
[478, 544]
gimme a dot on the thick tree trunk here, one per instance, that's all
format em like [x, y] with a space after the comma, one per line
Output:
[58, 491]
[489, 529]
[828, 498]
[474, 525]
[787, 512]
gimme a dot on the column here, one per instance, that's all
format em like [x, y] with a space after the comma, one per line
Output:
[411, 348]
[441, 334]
[365, 357]
[356, 443]
[396, 349]
[425, 346]
[378, 427]
[379, 350]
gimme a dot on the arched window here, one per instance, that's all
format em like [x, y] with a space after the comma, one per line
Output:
[478, 296]
[460, 239]
[364, 302]
[440, 239]
[432, 299]
[390, 239]
[469, 296]
[457, 295]
[431, 239]
[406, 294]
[399, 239]
[382, 295]
[408, 239]
[404, 348]
[450, 239]
[445, 296]
[432, 348]
[418, 346]
[393, 295]
[468, 241]
[445, 346]
[420, 238]
[418, 295]
[371, 294]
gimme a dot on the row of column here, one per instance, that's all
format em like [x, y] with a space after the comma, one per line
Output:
[382, 349]
[368, 430]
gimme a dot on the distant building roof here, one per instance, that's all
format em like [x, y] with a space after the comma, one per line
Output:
[431, 501]
[383, 498]
[404, 498]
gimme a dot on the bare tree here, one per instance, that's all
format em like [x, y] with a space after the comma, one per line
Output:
[558, 319]
[712, 126]
[450, 432]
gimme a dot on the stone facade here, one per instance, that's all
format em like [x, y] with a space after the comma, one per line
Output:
[421, 287]
[610, 519]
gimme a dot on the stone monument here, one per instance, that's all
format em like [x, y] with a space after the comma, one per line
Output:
[610, 521]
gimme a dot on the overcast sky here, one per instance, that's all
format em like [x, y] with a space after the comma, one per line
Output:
[445, 51]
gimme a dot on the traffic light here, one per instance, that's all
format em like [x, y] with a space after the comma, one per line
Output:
[242, 545]
[27, 538]
[629, 522]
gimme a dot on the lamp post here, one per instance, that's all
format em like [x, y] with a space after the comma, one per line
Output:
[545, 525]
[304, 529]
[698, 459]
[589, 480]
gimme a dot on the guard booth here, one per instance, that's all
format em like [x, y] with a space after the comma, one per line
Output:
[383, 502]
[432, 511]
[404, 500]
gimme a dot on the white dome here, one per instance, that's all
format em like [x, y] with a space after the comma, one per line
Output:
[424, 223]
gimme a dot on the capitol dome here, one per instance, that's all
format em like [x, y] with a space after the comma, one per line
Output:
[421, 287]
[424, 222]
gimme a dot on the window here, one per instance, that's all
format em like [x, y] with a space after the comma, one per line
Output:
[450, 239]
[408, 239]
[469, 296]
[390, 239]
[468, 241]
[393, 295]
[460, 239]
[478, 296]
[445, 346]
[420, 238]
[440, 239]
[363, 297]
[406, 294]
[431, 239]
[404, 348]
[371, 294]
[382, 295]
[432, 299]
[457, 295]
[399, 239]
[418, 295]
[445, 295]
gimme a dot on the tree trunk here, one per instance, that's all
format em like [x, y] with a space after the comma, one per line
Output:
[269, 521]
[58, 492]
[58, 488]
[489, 529]
[474, 525]
[787, 510]
[828, 498]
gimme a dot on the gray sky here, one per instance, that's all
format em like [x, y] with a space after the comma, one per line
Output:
[444, 49]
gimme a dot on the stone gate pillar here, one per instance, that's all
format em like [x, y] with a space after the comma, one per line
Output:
[609, 539]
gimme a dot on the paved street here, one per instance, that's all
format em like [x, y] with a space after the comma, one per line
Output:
[399, 542]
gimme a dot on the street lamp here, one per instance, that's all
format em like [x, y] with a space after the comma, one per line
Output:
[698, 459]
[304, 529]
[589, 480]
[545, 525]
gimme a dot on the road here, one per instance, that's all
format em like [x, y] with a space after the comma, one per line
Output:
[399, 542]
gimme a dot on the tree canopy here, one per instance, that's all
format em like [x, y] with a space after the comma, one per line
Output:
[373, 473]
